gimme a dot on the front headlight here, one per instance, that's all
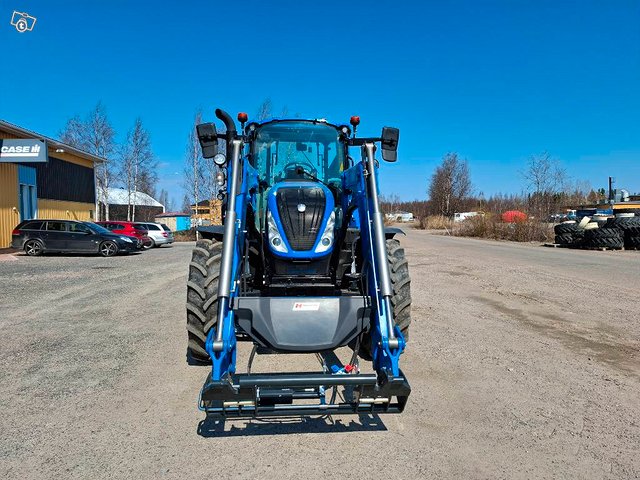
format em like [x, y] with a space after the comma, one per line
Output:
[326, 240]
[126, 239]
[275, 240]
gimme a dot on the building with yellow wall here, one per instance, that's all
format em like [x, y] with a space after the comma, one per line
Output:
[62, 186]
[207, 212]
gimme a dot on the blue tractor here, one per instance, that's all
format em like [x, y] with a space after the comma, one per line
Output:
[302, 264]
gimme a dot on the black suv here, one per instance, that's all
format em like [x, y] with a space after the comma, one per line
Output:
[38, 236]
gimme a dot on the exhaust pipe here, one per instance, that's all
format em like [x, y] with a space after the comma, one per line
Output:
[228, 123]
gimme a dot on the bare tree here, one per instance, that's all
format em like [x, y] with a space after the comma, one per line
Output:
[546, 181]
[390, 203]
[450, 185]
[138, 166]
[265, 110]
[163, 198]
[186, 203]
[74, 133]
[194, 169]
[95, 135]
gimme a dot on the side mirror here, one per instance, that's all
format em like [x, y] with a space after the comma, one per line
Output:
[208, 138]
[390, 136]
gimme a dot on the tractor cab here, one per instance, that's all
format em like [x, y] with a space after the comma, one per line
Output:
[299, 166]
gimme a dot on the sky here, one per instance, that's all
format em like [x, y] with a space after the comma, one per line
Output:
[494, 81]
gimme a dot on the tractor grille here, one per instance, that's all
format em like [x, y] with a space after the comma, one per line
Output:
[301, 228]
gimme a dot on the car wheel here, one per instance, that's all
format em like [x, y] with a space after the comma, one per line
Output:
[33, 248]
[147, 244]
[108, 248]
[151, 244]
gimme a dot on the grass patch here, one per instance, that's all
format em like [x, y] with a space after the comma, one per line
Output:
[492, 227]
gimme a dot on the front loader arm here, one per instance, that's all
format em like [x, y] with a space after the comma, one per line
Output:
[221, 341]
[387, 340]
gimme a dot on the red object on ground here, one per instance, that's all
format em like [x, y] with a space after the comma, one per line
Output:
[124, 228]
[514, 216]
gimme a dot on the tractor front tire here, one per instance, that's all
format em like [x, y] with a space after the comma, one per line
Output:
[401, 300]
[202, 298]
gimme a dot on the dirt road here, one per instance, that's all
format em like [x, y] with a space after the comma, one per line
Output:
[524, 363]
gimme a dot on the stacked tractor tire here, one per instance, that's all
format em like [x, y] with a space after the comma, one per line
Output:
[623, 231]
[629, 227]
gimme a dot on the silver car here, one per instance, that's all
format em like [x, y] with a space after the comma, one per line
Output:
[160, 234]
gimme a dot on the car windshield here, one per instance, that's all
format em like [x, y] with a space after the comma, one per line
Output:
[281, 147]
[97, 228]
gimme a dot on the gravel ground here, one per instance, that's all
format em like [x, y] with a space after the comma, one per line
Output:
[524, 363]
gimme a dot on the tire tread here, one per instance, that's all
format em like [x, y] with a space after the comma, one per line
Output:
[202, 298]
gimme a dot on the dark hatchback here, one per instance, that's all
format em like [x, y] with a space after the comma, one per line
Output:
[38, 236]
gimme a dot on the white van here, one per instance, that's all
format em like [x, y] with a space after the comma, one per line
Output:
[459, 217]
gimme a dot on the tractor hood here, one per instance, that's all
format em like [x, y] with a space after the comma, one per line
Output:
[300, 220]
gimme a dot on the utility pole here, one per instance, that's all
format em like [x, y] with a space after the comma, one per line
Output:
[612, 197]
[195, 184]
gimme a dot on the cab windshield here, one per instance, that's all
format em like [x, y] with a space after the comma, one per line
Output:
[294, 150]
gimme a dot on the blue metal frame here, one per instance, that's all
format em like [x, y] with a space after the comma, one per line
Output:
[273, 208]
[385, 358]
[224, 361]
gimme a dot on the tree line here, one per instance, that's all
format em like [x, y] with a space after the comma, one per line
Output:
[130, 165]
[547, 189]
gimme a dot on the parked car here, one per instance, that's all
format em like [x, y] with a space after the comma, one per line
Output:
[169, 232]
[39, 236]
[157, 234]
[130, 229]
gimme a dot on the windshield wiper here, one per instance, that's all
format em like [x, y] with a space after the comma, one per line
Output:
[302, 171]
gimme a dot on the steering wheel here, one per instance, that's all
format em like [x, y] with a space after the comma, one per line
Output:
[290, 169]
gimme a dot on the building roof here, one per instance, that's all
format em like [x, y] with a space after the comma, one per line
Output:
[120, 196]
[58, 145]
[173, 214]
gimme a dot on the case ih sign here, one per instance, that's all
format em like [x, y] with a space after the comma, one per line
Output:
[23, 150]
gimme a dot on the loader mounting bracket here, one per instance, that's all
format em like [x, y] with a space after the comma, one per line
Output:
[253, 395]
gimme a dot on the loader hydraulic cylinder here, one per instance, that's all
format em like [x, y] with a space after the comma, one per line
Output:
[228, 246]
[384, 279]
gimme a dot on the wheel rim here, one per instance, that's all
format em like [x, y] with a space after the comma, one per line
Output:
[108, 249]
[33, 248]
